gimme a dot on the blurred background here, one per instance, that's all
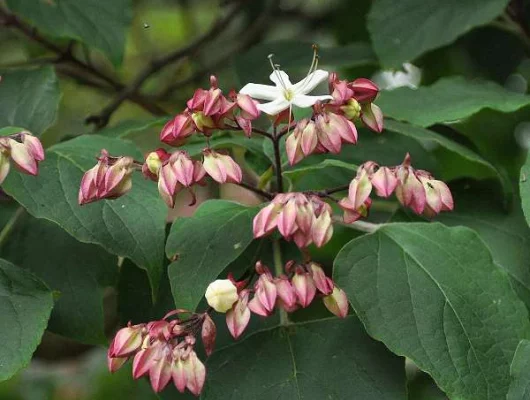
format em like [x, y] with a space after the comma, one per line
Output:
[246, 32]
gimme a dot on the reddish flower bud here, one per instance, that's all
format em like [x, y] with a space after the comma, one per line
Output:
[160, 372]
[33, 145]
[23, 158]
[195, 374]
[384, 181]
[265, 291]
[177, 130]
[337, 302]
[4, 163]
[364, 90]
[438, 197]
[304, 287]
[208, 334]
[410, 191]
[372, 117]
[286, 292]
[127, 341]
[322, 229]
[266, 220]
[222, 168]
[178, 372]
[248, 106]
[238, 317]
[115, 363]
[322, 282]
[144, 360]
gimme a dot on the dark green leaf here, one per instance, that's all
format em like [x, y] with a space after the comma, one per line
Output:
[448, 100]
[29, 98]
[520, 372]
[404, 30]
[25, 306]
[99, 23]
[435, 295]
[326, 359]
[204, 245]
[524, 187]
[10, 130]
[324, 175]
[461, 161]
[131, 226]
[78, 271]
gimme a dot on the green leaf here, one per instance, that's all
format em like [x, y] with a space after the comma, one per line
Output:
[225, 140]
[10, 130]
[294, 56]
[132, 226]
[435, 295]
[324, 175]
[99, 23]
[30, 99]
[204, 245]
[79, 272]
[25, 306]
[325, 359]
[459, 160]
[127, 128]
[524, 188]
[404, 30]
[520, 372]
[448, 100]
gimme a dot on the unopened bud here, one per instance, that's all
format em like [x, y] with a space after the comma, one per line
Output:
[221, 295]
[352, 109]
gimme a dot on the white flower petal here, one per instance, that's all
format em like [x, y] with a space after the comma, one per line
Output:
[304, 101]
[281, 79]
[310, 82]
[274, 107]
[263, 92]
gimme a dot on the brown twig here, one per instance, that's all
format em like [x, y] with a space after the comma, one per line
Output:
[262, 193]
[65, 56]
[156, 65]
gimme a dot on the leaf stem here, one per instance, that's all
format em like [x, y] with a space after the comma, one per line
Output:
[4, 234]
[278, 269]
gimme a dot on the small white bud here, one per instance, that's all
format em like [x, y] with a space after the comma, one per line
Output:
[221, 295]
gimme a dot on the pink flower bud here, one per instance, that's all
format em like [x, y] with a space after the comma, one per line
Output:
[118, 179]
[4, 165]
[265, 292]
[352, 214]
[212, 101]
[115, 364]
[257, 307]
[322, 282]
[359, 189]
[178, 373]
[127, 341]
[328, 133]
[222, 168]
[160, 372]
[322, 229]
[177, 130]
[195, 374]
[23, 158]
[384, 181]
[437, 195]
[293, 149]
[266, 220]
[337, 302]
[153, 163]
[304, 287]
[33, 145]
[248, 106]
[238, 317]
[410, 191]
[372, 116]
[208, 334]
[340, 92]
[286, 292]
[308, 138]
[364, 90]
[287, 219]
[145, 359]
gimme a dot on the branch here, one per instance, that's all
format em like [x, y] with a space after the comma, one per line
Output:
[65, 56]
[277, 161]
[156, 65]
[267, 195]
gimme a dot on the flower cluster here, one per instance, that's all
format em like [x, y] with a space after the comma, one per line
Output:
[301, 217]
[208, 110]
[164, 351]
[416, 189]
[110, 178]
[297, 288]
[24, 149]
[332, 124]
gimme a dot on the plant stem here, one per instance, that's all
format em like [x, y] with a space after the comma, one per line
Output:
[260, 192]
[361, 226]
[277, 161]
[278, 269]
[4, 234]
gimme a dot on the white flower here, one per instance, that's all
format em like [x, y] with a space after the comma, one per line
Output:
[221, 295]
[285, 94]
